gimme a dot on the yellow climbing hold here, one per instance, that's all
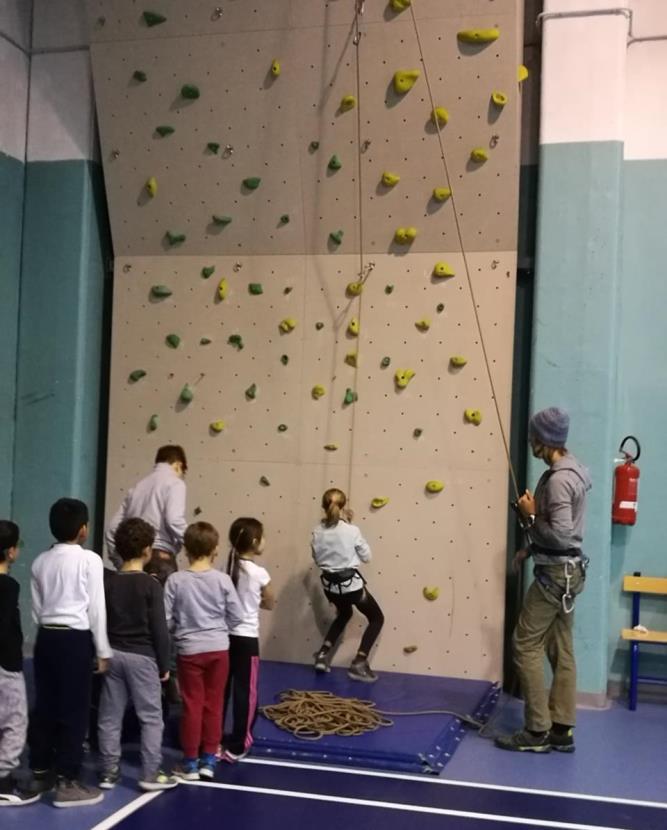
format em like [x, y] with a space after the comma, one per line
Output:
[353, 327]
[478, 35]
[403, 376]
[473, 416]
[458, 360]
[390, 179]
[276, 68]
[348, 102]
[479, 155]
[431, 594]
[151, 186]
[443, 269]
[287, 325]
[440, 116]
[424, 324]
[351, 359]
[405, 79]
[409, 649]
[318, 391]
[400, 5]
[434, 486]
[379, 502]
[217, 426]
[499, 98]
[441, 194]
[354, 289]
[522, 73]
[223, 287]
[331, 447]
[404, 236]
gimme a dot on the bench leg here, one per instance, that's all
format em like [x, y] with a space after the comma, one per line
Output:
[634, 671]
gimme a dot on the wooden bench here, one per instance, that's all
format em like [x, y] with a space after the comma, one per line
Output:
[638, 585]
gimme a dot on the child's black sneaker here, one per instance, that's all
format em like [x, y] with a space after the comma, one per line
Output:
[562, 740]
[71, 793]
[360, 670]
[109, 778]
[524, 741]
[42, 781]
[13, 795]
[322, 662]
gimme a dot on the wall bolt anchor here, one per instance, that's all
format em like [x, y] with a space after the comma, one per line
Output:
[127, 268]
[495, 263]
[101, 21]
[115, 154]
[228, 151]
[365, 145]
[237, 266]
[494, 140]
[217, 13]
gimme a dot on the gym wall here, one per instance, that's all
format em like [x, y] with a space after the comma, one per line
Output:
[275, 455]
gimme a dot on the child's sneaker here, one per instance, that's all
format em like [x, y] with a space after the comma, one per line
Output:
[43, 781]
[109, 778]
[360, 670]
[13, 795]
[70, 793]
[159, 781]
[187, 770]
[207, 766]
[233, 757]
[322, 662]
[219, 753]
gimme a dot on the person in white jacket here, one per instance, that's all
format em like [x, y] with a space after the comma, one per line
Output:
[158, 499]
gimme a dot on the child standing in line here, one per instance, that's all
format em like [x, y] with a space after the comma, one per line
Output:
[68, 606]
[338, 548]
[202, 606]
[138, 634]
[253, 585]
[13, 702]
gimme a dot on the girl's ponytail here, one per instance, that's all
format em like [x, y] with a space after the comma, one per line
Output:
[244, 535]
[233, 566]
[333, 502]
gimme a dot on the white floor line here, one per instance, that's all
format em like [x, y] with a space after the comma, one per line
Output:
[450, 782]
[406, 808]
[127, 810]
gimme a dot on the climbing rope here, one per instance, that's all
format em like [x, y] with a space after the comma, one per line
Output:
[314, 715]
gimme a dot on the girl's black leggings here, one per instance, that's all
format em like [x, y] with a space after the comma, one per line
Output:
[363, 601]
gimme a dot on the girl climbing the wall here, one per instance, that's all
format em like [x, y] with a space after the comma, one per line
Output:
[253, 585]
[338, 548]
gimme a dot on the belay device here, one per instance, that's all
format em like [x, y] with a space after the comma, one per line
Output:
[626, 486]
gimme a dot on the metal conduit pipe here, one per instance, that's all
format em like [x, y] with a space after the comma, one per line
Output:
[624, 10]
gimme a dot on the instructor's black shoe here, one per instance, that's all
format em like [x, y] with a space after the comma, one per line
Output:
[524, 741]
[562, 740]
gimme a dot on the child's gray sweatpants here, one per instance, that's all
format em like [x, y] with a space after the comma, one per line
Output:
[13, 719]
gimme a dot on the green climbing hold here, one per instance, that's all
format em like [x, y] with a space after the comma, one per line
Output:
[416, 433]
[197, 511]
[252, 182]
[264, 481]
[190, 91]
[159, 291]
[204, 341]
[319, 325]
[186, 394]
[173, 341]
[386, 361]
[350, 397]
[164, 130]
[213, 147]
[284, 219]
[153, 18]
[153, 423]
[440, 308]
[255, 288]
[284, 359]
[251, 392]
[282, 427]
[314, 145]
[207, 271]
[235, 340]
[336, 236]
[139, 75]
[175, 238]
[136, 375]
[221, 220]
[287, 290]
[388, 289]
[335, 163]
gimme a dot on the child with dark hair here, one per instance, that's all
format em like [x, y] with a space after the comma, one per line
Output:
[253, 585]
[68, 606]
[338, 548]
[138, 635]
[13, 703]
[202, 606]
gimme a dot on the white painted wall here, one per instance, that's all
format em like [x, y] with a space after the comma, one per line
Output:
[13, 100]
[15, 21]
[59, 24]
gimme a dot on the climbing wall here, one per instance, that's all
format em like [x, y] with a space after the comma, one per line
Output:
[291, 299]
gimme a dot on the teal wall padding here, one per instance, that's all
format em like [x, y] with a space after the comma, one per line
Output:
[641, 401]
[61, 347]
[11, 212]
[574, 361]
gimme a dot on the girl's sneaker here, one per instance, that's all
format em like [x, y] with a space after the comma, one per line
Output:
[159, 781]
[360, 670]
[219, 753]
[187, 770]
[207, 766]
[322, 662]
[233, 757]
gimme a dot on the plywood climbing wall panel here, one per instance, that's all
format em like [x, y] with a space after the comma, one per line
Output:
[279, 446]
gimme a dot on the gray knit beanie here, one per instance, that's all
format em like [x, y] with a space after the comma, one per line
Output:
[550, 427]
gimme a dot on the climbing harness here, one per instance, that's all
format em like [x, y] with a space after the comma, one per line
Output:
[564, 595]
[337, 581]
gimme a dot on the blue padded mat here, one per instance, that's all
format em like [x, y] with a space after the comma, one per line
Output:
[422, 744]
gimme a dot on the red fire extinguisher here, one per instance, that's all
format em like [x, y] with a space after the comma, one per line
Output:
[626, 485]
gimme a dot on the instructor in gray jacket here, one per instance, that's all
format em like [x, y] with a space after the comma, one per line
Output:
[555, 520]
